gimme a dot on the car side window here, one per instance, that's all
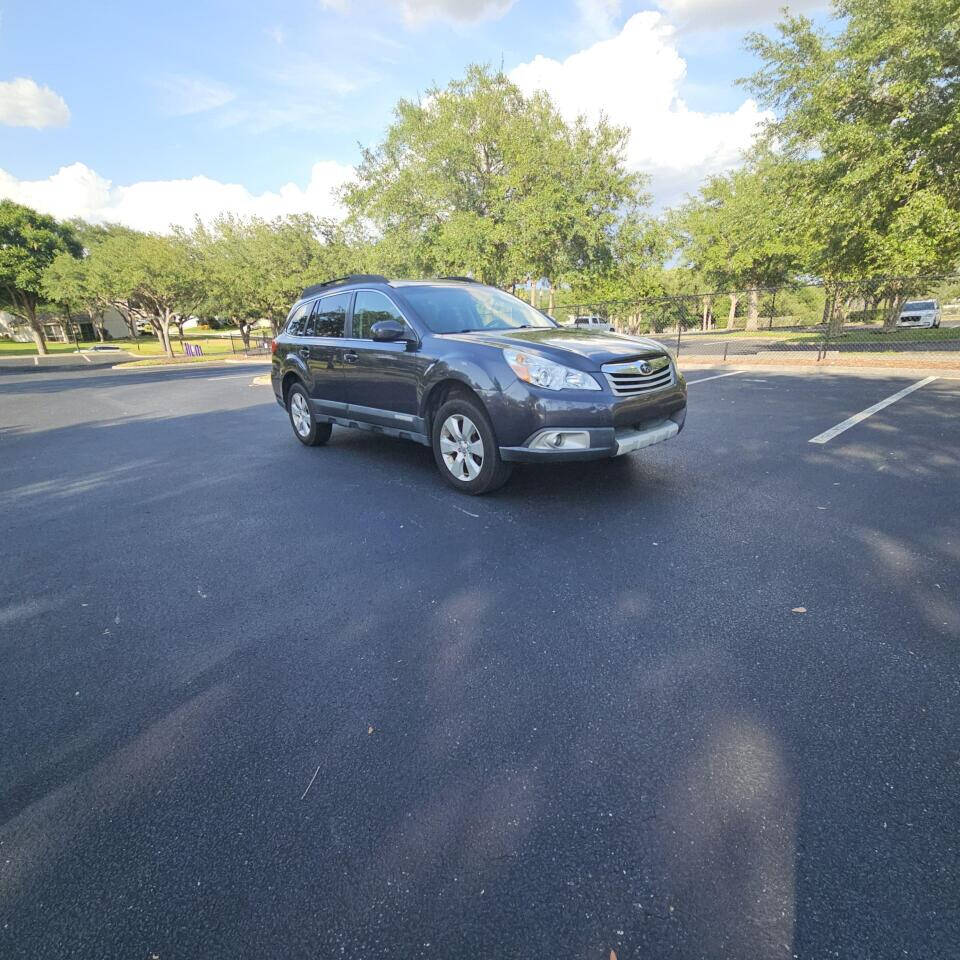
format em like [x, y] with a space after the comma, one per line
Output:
[371, 307]
[329, 317]
[295, 323]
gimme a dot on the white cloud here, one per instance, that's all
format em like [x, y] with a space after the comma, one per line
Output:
[182, 95]
[421, 11]
[634, 79]
[24, 103]
[78, 191]
[598, 16]
[456, 11]
[706, 14]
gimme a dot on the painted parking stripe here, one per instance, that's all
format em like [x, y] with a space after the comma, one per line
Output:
[714, 377]
[828, 435]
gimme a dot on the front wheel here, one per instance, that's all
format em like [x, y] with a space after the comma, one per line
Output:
[305, 428]
[465, 448]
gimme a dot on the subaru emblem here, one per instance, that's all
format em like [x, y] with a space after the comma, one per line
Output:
[645, 367]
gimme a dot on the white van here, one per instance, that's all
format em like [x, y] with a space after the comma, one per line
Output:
[591, 323]
[920, 313]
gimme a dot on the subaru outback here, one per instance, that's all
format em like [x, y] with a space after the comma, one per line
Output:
[476, 374]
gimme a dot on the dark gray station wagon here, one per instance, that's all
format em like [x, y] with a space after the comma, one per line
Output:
[473, 372]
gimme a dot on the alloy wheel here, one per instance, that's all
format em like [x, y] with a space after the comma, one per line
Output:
[461, 447]
[300, 414]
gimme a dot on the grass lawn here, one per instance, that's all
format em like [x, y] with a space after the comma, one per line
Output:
[850, 335]
[145, 346]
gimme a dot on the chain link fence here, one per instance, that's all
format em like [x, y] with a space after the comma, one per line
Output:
[887, 321]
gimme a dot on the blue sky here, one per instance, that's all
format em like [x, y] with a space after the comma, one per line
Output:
[132, 102]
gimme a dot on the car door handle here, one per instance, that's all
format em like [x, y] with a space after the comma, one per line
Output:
[304, 352]
[351, 357]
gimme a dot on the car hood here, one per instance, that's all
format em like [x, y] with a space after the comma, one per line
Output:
[585, 349]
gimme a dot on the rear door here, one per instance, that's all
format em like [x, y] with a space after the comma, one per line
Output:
[324, 340]
[382, 378]
[292, 351]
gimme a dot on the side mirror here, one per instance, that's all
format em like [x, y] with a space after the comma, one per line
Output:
[387, 331]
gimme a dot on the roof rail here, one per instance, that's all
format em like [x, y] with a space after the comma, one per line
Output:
[350, 278]
[461, 279]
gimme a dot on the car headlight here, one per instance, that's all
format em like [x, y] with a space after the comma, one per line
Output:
[545, 373]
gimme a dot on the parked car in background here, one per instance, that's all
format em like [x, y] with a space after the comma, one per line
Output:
[591, 322]
[476, 374]
[920, 313]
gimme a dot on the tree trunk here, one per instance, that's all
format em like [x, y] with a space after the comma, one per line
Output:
[707, 303]
[550, 301]
[36, 330]
[38, 338]
[97, 321]
[753, 309]
[129, 321]
[165, 319]
[893, 312]
[837, 314]
[732, 316]
[245, 335]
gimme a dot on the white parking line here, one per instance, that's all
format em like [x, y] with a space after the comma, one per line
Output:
[828, 435]
[717, 376]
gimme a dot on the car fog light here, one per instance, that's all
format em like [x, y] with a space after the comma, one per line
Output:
[562, 440]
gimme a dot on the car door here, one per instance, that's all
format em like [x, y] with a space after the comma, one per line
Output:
[292, 351]
[382, 378]
[324, 340]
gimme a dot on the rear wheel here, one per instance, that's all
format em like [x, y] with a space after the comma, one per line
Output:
[305, 428]
[465, 448]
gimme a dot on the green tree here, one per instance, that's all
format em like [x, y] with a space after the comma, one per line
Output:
[868, 114]
[479, 179]
[255, 269]
[147, 277]
[108, 274]
[164, 281]
[29, 243]
[738, 235]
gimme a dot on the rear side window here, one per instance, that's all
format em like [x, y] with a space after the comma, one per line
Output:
[330, 316]
[371, 307]
[295, 323]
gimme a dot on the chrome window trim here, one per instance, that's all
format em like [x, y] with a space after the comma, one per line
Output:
[326, 296]
[389, 299]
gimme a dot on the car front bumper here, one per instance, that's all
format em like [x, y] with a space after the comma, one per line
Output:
[614, 425]
[605, 442]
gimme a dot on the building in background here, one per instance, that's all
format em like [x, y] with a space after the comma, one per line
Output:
[57, 329]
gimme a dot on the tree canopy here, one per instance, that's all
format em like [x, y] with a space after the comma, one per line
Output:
[477, 178]
[29, 243]
[868, 119]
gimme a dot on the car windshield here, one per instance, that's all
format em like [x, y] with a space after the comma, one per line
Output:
[920, 305]
[463, 309]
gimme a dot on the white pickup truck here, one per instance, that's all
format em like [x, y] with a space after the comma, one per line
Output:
[920, 313]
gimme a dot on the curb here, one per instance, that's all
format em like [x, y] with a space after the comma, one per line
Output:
[822, 367]
[200, 364]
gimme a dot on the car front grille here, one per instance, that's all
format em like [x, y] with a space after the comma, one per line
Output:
[629, 379]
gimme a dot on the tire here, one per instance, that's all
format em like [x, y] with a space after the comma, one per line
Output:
[465, 448]
[305, 428]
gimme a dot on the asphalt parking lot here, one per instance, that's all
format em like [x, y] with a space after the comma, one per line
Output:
[262, 701]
